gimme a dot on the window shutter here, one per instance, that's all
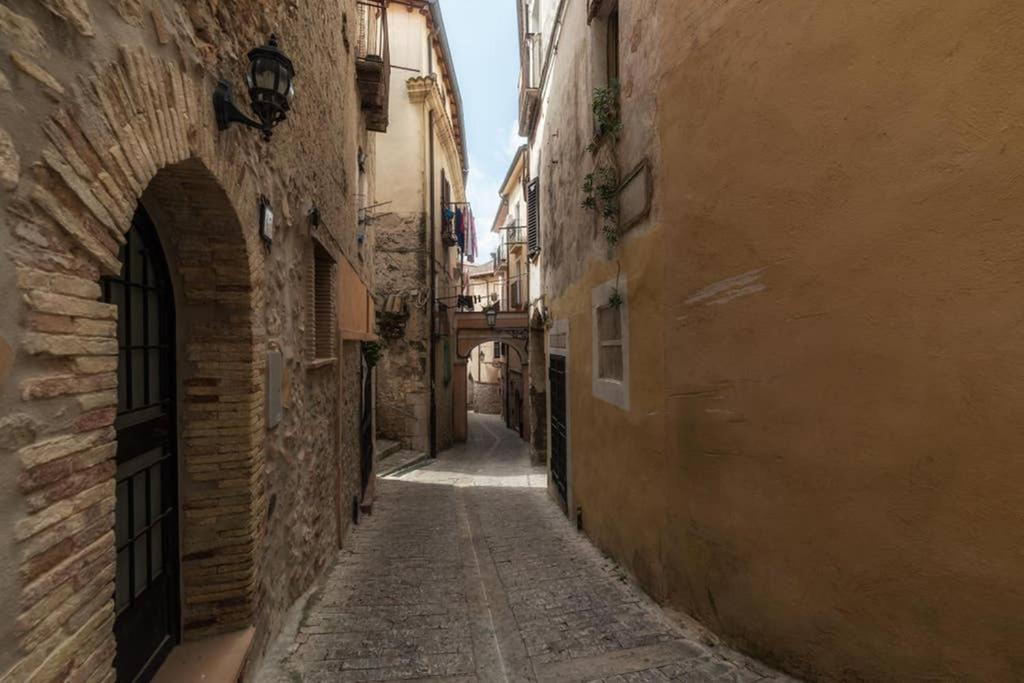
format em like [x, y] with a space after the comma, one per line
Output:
[533, 216]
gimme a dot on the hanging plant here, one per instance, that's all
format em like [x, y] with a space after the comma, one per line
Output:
[372, 351]
[615, 299]
[607, 117]
[601, 195]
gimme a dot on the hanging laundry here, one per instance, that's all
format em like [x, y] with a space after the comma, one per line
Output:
[460, 229]
[447, 216]
[472, 237]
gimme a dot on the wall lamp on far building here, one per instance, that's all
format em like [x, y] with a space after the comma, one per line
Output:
[270, 79]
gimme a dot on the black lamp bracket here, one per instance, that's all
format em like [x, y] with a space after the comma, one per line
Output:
[226, 111]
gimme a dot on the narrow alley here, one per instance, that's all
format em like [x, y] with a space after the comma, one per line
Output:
[489, 582]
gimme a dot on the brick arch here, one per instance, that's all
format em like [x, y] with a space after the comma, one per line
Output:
[220, 394]
[137, 129]
[471, 330]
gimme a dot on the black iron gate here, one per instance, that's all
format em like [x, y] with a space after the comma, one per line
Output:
[366, 424]
[559, 433]
[146, 516]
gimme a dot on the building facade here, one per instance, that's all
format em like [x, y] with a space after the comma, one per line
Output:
[181, 383]
[518, 262]
[780, 328]
[418, 259]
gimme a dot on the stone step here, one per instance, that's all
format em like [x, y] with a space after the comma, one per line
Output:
[400, 462]
[386, 448]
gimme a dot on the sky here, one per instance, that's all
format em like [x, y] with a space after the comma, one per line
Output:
[484, 41]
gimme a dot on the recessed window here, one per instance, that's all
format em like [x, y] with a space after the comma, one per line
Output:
[610, 310]
[612, 47]
[609, 338]
[322, 335]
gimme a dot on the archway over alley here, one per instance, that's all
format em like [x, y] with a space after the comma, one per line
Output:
[471, 330]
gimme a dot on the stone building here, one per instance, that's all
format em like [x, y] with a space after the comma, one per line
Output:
[418, 278]
[181, 383]
[783, 327]
[517, 261]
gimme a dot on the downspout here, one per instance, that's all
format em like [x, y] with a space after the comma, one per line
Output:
[433, 287]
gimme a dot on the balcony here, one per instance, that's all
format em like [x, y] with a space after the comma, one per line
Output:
[501, 258]
[529, 82]
[515, 238]
[373, 62]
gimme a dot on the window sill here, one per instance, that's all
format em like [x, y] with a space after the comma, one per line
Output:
[321, 363]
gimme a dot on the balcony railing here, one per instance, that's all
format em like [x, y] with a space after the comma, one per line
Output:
[515, 238]
[501, 258]
[373, 62]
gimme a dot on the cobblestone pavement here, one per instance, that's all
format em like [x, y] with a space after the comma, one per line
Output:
[467, 571]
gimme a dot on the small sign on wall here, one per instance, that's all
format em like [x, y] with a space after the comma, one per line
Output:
[275, 410]
[266, 220]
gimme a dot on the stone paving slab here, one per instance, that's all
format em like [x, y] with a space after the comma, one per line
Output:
[467, 571]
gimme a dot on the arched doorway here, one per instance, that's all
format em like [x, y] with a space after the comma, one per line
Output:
[190, 391]
[146, 599]
[471, 330]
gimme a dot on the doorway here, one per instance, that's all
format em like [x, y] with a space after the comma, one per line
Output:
[559, 431]
[147, 603]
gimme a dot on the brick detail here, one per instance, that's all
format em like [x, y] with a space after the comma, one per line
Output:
[132, 129]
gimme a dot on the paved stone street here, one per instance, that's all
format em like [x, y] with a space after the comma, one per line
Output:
[467, 571]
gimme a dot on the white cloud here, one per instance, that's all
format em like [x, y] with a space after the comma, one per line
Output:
[513, 142]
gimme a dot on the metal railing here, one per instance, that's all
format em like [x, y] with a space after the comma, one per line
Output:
[501, 257]
[515, 236]
[373, 55]
[372, 39]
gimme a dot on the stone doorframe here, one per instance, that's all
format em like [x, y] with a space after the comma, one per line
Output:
[471, 330]
[139, 129]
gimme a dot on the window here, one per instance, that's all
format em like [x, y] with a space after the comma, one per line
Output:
[533, 216]
[611, 342]
[497, 349]
[612, 47]
[321, 344]
[609, 338]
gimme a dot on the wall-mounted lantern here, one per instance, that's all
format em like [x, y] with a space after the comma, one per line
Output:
[271, 89]
[491, 314]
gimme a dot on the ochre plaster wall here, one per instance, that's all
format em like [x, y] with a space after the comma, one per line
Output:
[845, 332]
[820, 460]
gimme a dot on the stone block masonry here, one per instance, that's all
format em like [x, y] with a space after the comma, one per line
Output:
[108, 110]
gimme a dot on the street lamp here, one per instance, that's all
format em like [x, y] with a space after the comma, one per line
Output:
[491, 313]
[271, 91]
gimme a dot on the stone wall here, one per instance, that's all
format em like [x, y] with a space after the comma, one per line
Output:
[487, 398]
[102, 103]
[403, 392]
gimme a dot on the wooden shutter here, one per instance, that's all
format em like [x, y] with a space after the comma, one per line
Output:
[533, 216]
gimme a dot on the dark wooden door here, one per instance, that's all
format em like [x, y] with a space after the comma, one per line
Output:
[146, 528]
[559, 430]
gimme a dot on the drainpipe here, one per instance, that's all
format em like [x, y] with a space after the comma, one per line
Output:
[433, 288]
